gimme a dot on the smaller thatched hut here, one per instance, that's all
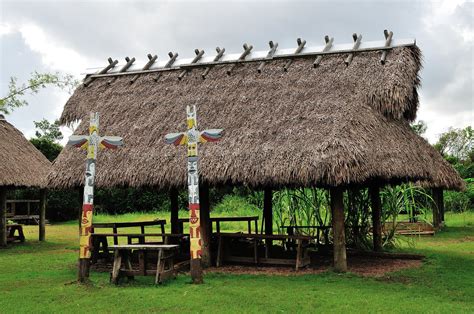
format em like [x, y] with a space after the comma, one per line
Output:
[22, 166]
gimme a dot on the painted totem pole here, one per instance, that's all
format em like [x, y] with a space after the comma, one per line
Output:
[191, 138]
[91, 143]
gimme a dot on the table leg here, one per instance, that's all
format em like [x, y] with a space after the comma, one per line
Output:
[128, 264]
[219, 251]
[249, 223]
[116, 267]
[21, 235]
[142, 262]
[298, 254]
[255, 251]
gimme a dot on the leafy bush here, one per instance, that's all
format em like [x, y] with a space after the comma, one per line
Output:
[460, 202]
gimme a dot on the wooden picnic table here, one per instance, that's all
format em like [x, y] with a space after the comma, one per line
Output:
[11, 229]
[123, 266]
[301, 260]
[99, 240]
[218, 220]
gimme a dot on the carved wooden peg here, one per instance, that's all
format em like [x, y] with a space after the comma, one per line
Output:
[357, 41]
[273, 48]
[220, 53]
[388, 41]
[173, 57]
[123, 69]
[247, 50]
[329, 42]
[198, 56]
[111, 64]
[301, 44]
[151, 60]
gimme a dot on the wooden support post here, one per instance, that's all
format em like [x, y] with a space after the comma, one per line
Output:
[268, 210]
[268, 214]
[174, 211]
[42, 215]
[376, 217]
[337, 211]
[3, 217]
[206, 225]
[247, 50]
[111, 64]
[438, 207]
[301, 44]
[220, 53]
[329, 42]
[173, 57]
[198, 56]
[388, 41]
[273, 48]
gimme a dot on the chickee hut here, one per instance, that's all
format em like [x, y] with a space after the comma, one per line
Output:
[332, 116]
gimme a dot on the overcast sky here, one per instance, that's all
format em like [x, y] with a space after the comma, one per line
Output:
[70, 36]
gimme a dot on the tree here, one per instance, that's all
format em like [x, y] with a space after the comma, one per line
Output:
[419, 127]
[14, 98]
[47, 130]
[47, 137]
[458, 143]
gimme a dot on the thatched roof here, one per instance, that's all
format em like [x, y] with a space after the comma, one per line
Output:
[330, 125]
[22, 165]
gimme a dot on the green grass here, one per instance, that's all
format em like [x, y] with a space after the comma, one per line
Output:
[39, 277]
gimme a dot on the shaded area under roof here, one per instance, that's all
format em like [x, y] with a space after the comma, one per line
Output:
[325, 126]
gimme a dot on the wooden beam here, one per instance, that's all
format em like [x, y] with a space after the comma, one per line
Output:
[42, 215]
[268, 214]
[123, 69]
[111, 64]
[438, 207]
[376, 205]
[206, 226]
[337, 212]
[220, 53]
[247, 50]
[329, 42]
[173, 57]
[174, 209]
[301, 44]
[151, 60]
[388, 41]
[198, 56]
[3, 217]
[273, 48]
[357, 41]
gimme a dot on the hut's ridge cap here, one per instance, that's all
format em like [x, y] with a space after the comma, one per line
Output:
[252, 56]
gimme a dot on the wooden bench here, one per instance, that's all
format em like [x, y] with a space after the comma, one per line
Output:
[123, 266]
[218, 220]
[324, 230]
[100, 242]
[11, 229]
[301, 259]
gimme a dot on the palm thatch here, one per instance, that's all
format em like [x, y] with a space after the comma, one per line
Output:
[325, 126]
[22, 164]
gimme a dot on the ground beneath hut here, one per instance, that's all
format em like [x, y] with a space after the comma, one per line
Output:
[363, 266]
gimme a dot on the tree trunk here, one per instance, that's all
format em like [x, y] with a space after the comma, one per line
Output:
[376, 217]
[42, 214]
[3, 217]
[438, 207]
[174, 209]
[337, 211]
[205, 225]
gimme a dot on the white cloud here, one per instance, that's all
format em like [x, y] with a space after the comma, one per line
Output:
[54, 55]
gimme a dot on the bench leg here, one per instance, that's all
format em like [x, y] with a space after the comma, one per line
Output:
[255, 251]
[219, 252]
[116, 267]
[159, 268]
[128, 264]
[298, 254]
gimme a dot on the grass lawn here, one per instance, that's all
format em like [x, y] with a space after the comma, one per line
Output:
[39, 277]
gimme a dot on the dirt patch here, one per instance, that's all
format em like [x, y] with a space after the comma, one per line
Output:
[364, 266]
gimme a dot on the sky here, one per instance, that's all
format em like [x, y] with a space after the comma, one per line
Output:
[71, 36]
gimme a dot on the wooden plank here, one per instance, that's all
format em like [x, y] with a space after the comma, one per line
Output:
[150, 247]
[159, 267]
